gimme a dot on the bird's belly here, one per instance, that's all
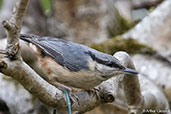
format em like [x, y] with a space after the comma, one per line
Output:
[82, 79]
[78, 80]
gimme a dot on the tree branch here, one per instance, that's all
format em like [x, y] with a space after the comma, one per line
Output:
[129, 91]
[131, 86]
[46, 92]
[13, 27]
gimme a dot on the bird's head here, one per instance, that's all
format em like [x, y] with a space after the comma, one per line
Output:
[113, 68]
[107, 65]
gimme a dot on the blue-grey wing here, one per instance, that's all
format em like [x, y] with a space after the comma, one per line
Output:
[64, 52]
[71, 55]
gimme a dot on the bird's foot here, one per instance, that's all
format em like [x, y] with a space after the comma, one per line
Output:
[74, 98]
[61, 86]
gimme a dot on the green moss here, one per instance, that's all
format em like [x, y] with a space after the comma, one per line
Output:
[131, 46]
[1, 3]
[46, 4]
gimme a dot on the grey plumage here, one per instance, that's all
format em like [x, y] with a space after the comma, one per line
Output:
[69, 54]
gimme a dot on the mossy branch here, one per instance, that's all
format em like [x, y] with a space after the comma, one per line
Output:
[129, 45]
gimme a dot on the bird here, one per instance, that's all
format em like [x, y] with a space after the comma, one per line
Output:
[73, 64]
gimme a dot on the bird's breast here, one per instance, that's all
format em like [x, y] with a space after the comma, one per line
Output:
[84, 79]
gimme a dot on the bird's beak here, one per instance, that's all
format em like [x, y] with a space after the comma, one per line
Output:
[129, 71]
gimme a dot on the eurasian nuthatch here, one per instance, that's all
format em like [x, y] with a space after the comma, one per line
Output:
[73, 64]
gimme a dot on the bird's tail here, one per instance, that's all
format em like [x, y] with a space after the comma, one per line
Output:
[28, 38]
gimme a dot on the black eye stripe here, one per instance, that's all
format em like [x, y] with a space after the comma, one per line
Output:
[112, 64]
[105, 61]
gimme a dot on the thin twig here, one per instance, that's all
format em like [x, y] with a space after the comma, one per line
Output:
[13, 27]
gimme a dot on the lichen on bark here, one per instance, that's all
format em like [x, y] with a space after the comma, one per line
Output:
[130, 45]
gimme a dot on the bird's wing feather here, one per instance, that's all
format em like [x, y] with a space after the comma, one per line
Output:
[63, 52]
[71, 55]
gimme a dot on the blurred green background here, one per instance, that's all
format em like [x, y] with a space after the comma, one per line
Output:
[1, 3]
[45, 3]
[46, 6]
